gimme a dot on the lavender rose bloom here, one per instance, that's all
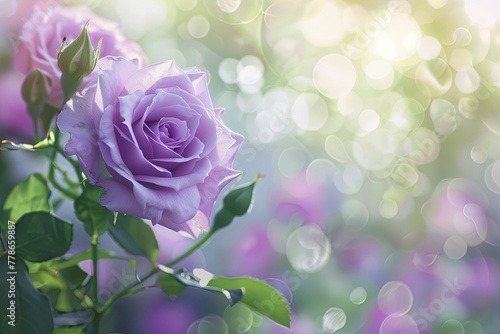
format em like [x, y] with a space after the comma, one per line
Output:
[42, 35]
[152, 140]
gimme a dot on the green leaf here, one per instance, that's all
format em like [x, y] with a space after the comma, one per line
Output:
[70, 330]
[41, 236]
[135, 237]
[259, 296]
[236, 203]
[30, 195]
[61, 287]
[46, 280]
[169, 285]
[33, 313]
[90, 212]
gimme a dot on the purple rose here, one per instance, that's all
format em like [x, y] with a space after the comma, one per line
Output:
[152, 140]
[42, 35]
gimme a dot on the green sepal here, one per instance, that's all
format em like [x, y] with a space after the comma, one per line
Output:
[236, 203]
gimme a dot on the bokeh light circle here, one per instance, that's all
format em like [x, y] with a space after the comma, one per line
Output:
[358, 295]
[309, 112]
[406, 114]
[308, 249]
[186, 5]
[239, 318]
[467, 81]
[437, 3]
[405, 173]
[429, 48]
[349, 180]
[455, 247]
[478, 154]
[395, 297]
[368, 120]
[434, 77]
[228, 6]
[228, 70]
[388, 208]
[198, 26]
[444, 116]
[460, 59]
[354, 18]
[334, 320]
[327, 72]
[492, 177]
[398, 324]
[468, 106]
[423, 146]
[336, 149]
[319, 172]
[291, 161]
[321, 23]
[379, 74]
[209, 325]
[234, 11]
[399, 39]
[354, 214]
[452, 326]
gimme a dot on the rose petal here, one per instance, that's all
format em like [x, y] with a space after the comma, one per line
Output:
[76, 120]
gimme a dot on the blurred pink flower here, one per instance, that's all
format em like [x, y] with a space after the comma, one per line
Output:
[166, 317]
[252, 255]
[458, 208]
[15, 122]
[13, 13]
[312, 202]
[42, 36]
[364, 256]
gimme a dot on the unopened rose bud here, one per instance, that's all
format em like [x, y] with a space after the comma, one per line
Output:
[36, 91]
[76, 61]
[239, 200]
[79, 58]
[236, 203]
